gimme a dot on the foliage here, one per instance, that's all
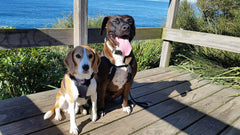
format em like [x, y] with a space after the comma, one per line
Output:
[212, 16]
[30, 70]
[147, 53]
[64, 22]
[6, 27]
[67, 21]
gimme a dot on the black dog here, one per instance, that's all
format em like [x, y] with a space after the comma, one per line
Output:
[118, 65]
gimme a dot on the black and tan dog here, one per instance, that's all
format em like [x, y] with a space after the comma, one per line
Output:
[118, 65]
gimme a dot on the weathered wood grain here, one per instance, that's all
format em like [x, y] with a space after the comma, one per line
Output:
[234, 129]
[80, 22]
[154, 87]
[217, 120]
[19, 38]
[197, 109]
[170, 23]
[156, 78]
[143, 118]
[222, 42]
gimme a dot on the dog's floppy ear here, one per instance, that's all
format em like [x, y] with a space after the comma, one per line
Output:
[104, 22]
[96, 61]
[69, 61]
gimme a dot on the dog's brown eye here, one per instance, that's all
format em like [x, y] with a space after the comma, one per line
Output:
[129, 21]
[78, 56]
[90, 56]
[116, 21]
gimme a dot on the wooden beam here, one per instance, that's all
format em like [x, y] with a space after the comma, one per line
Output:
[171, 19]
[19, 38]
[222, 42]
[80, 22]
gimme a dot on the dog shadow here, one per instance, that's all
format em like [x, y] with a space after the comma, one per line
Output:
[140, 91]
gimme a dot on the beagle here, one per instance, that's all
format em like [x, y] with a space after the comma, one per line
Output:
[82, 63]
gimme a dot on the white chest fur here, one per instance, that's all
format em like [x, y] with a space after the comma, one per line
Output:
[120, 77]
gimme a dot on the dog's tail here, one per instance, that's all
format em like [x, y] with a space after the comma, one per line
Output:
[48, 114]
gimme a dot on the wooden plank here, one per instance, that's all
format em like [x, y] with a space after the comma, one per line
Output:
[147, 89]
[165, 54]
[143, 118]
[222, 42]
[178, 121]
[80, 21]
[234, 129]
[217, 120]
[150, 72]
[18, 38]
[170, 23]
[156, 78]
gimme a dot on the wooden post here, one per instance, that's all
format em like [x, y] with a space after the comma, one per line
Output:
[171, 21]
[80, 22]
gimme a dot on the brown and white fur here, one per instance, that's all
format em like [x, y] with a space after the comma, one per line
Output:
[81, 62]
[120, 30]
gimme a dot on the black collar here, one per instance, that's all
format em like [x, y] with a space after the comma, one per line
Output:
[85, 82]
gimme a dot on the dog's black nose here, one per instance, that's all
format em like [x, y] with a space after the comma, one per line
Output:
[85, 67]
[125, 27]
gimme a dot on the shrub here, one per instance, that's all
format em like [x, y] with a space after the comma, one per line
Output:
[30, 70]
[212, 16]
[147, 53]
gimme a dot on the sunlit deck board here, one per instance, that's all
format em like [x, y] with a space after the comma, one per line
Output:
[179, 104]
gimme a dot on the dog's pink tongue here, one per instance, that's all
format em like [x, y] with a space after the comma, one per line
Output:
[125, 46]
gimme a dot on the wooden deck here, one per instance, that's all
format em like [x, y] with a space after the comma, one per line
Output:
[179, 104]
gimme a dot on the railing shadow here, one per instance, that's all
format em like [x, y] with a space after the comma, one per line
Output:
[181, 116]
[21, 116]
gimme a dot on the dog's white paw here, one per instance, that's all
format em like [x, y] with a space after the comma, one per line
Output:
[127, 109]
[58, 117]
[76, 109]
[94, 117]
[73, 130]
[101, 113]
[84, 112]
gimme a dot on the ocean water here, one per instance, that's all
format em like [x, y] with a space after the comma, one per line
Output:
[43, 13]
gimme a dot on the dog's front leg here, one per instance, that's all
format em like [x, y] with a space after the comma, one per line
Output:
[126, 108]
[94, 107]
[73, 125]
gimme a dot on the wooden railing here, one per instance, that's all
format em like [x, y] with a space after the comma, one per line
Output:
[18, 38]
[189, 37]
[81, 34]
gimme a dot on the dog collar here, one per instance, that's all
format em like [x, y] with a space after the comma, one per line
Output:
[85, 82]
